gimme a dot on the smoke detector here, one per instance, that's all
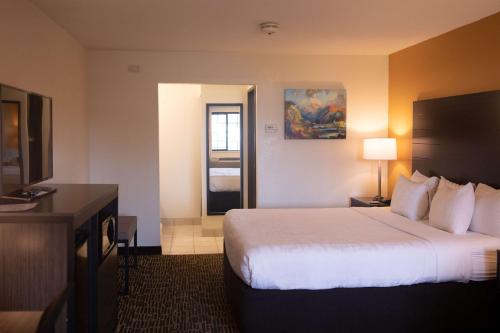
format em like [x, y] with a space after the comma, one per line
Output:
[269, 28]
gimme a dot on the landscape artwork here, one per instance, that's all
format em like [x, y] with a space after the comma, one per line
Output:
[315, 114]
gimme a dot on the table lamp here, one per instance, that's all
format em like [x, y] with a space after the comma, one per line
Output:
[381, 149]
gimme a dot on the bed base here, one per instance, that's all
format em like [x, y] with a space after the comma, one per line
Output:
[218, 203]
[427, 307]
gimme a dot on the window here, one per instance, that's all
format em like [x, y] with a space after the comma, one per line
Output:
[225, 131]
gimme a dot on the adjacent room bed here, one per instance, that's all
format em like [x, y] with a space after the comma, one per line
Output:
[224, 184]
[377, 269]
[224, 179]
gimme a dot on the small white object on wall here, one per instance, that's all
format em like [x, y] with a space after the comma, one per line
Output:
[134, 68]
[270, 128]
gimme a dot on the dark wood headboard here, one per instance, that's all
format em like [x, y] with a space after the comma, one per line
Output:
[458, 137]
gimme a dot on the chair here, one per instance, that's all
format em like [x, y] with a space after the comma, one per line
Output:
[127, 230]
[52, 312]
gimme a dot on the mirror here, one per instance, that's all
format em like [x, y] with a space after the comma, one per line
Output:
[12, 108]
[26, 138]
[224, 152]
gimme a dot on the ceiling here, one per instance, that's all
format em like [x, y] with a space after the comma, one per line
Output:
[307, 26]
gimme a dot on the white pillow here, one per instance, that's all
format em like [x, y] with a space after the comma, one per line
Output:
[452, 207]
[410, 199]
[486, 218]
[431, 183]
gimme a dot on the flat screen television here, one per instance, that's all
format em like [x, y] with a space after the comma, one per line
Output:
[26, 140]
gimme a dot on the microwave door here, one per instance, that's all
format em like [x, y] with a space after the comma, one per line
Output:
[108, 233]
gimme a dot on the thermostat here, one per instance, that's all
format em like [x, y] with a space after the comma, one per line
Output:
[270, 128]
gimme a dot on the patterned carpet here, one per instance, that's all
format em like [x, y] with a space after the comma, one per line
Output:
[183, 293]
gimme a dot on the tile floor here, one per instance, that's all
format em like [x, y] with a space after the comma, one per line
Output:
[192, 236]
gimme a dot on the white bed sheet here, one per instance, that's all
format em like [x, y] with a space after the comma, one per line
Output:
[224, 179]
[349, 247]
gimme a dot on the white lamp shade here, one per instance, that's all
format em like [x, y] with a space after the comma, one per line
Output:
[382, 149]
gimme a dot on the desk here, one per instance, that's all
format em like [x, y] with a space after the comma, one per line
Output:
[37, 256]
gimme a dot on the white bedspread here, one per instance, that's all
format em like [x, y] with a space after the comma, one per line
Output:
[348, 247]
[224, 179]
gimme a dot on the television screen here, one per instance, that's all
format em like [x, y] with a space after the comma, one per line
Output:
[39, 155]
[26, 139]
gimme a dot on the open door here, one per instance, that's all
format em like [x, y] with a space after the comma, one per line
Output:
[252, 151]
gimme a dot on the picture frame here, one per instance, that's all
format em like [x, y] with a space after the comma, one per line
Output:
[315, 114]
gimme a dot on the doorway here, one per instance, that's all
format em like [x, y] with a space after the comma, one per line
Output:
[203, 161]
[224, 151]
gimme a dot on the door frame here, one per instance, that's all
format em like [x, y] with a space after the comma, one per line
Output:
[252, 147]
[207, 147]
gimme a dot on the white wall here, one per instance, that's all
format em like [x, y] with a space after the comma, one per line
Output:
[180, 133]
[37, 55]
[124, 125]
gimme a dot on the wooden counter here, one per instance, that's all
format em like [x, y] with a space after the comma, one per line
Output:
[37, 249]
[71, 203]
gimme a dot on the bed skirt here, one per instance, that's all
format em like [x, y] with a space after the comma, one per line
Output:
[427, 307]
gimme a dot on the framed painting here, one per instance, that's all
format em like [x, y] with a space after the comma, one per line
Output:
[315, 114]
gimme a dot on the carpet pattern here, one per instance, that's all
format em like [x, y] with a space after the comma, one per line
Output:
[183, 293]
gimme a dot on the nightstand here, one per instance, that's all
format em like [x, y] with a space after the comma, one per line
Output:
[366, 202]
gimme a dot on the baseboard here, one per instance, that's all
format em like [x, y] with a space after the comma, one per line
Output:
[141, 250]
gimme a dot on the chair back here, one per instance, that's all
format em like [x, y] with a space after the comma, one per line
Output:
[51, 314]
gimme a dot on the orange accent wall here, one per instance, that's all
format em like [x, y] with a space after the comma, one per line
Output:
[464, 60]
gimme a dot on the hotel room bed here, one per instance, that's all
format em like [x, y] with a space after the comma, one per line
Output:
[349, 269]
[349, 248]
[367, 269]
